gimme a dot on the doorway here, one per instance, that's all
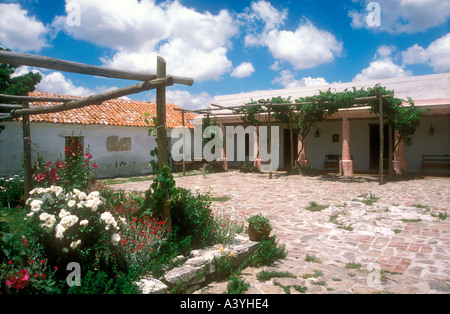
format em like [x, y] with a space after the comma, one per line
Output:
[374, 144]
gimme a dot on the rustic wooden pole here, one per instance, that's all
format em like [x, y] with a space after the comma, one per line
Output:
[26, 153]
[269, 148]
[391, 153]
[17, 58]
[184, 144]
[380, 111]
[163, 159]
[92, 100]
[161, 133]
[291, 136]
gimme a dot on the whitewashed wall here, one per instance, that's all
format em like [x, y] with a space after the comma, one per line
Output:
[49, 140]
[422, 142]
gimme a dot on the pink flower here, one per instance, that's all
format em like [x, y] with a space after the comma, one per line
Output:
[94, 165]
[21, 281]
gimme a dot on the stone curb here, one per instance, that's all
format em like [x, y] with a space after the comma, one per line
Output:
[198, 270]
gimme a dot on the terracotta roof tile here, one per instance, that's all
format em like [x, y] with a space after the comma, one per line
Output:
[120, 112]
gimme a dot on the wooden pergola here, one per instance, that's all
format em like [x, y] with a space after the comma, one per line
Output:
[158, 81]
[221, 111]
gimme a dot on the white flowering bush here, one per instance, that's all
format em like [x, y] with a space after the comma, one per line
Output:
[74, 225]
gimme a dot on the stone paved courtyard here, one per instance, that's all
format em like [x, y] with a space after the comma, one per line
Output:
[390, 238]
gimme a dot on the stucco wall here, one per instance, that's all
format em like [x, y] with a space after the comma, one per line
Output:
[119, 151]
[422, 142]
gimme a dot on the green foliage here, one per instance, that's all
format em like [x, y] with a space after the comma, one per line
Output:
[19, 85]
[161, 189]
[236, 285]
[223, 265]
[214, 167]
[265, 275]
[23, 267]
[248, 167]
[314, 207]
[100, 282]
[11, 191]
[306, 112]
[259, 222]
[268, 252]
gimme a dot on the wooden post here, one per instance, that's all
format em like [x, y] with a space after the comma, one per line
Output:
[26, 153]
[380, 170]
[291, 139]
[269, 148]
[161, 132]
[391, 153]
[184, 144]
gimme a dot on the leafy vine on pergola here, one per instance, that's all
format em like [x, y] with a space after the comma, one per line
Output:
[305, 112]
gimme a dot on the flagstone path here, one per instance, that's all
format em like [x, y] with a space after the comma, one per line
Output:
[390, 238]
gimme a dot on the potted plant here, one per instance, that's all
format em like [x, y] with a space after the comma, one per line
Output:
[258, 227]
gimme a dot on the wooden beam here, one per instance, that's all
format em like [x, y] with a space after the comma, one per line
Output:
[17, 58]
[34, 98]
[91, 100]
[10, 107]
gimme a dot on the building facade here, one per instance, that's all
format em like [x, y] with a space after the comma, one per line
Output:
[353, 134]
[115, 133]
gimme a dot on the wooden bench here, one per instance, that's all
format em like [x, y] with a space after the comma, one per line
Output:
[332, 162]
[189, 165]
[435, 161]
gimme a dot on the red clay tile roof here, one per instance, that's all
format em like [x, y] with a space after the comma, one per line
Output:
[120, 112]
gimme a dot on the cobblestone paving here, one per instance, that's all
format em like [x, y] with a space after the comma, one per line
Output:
[398, 243]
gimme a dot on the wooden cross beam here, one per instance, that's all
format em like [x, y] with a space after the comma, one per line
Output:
[17, 58]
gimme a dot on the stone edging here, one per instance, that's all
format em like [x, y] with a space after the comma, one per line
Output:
[198, 269]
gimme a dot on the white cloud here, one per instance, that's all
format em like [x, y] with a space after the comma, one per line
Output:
[18, 31]
[403, 16]
[414, 55]
[436, 55]
[193, 44]
[188, 100]
[287, 80]
[56, 82]
[243, 70]
[305, 48]
[381, 69]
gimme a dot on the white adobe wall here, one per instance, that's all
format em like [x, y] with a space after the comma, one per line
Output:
[425, 144]
[50, 140]
[422, 142]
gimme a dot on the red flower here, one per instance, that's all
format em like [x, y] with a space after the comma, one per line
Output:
[94, 165]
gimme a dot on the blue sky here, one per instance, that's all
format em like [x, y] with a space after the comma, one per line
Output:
[230, 47]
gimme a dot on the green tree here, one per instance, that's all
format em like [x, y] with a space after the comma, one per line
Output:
[17, 85]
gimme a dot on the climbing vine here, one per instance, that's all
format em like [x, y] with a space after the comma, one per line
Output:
[305, 112]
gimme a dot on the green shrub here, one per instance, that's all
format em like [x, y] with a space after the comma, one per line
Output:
[247, 167]
[236, 285]
[11, 191]
[259, 222]
[214, 166]
[100, 282]
[268, 252]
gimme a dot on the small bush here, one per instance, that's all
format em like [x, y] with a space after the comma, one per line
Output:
[11, 191]
[248, 167]
[237, 285]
